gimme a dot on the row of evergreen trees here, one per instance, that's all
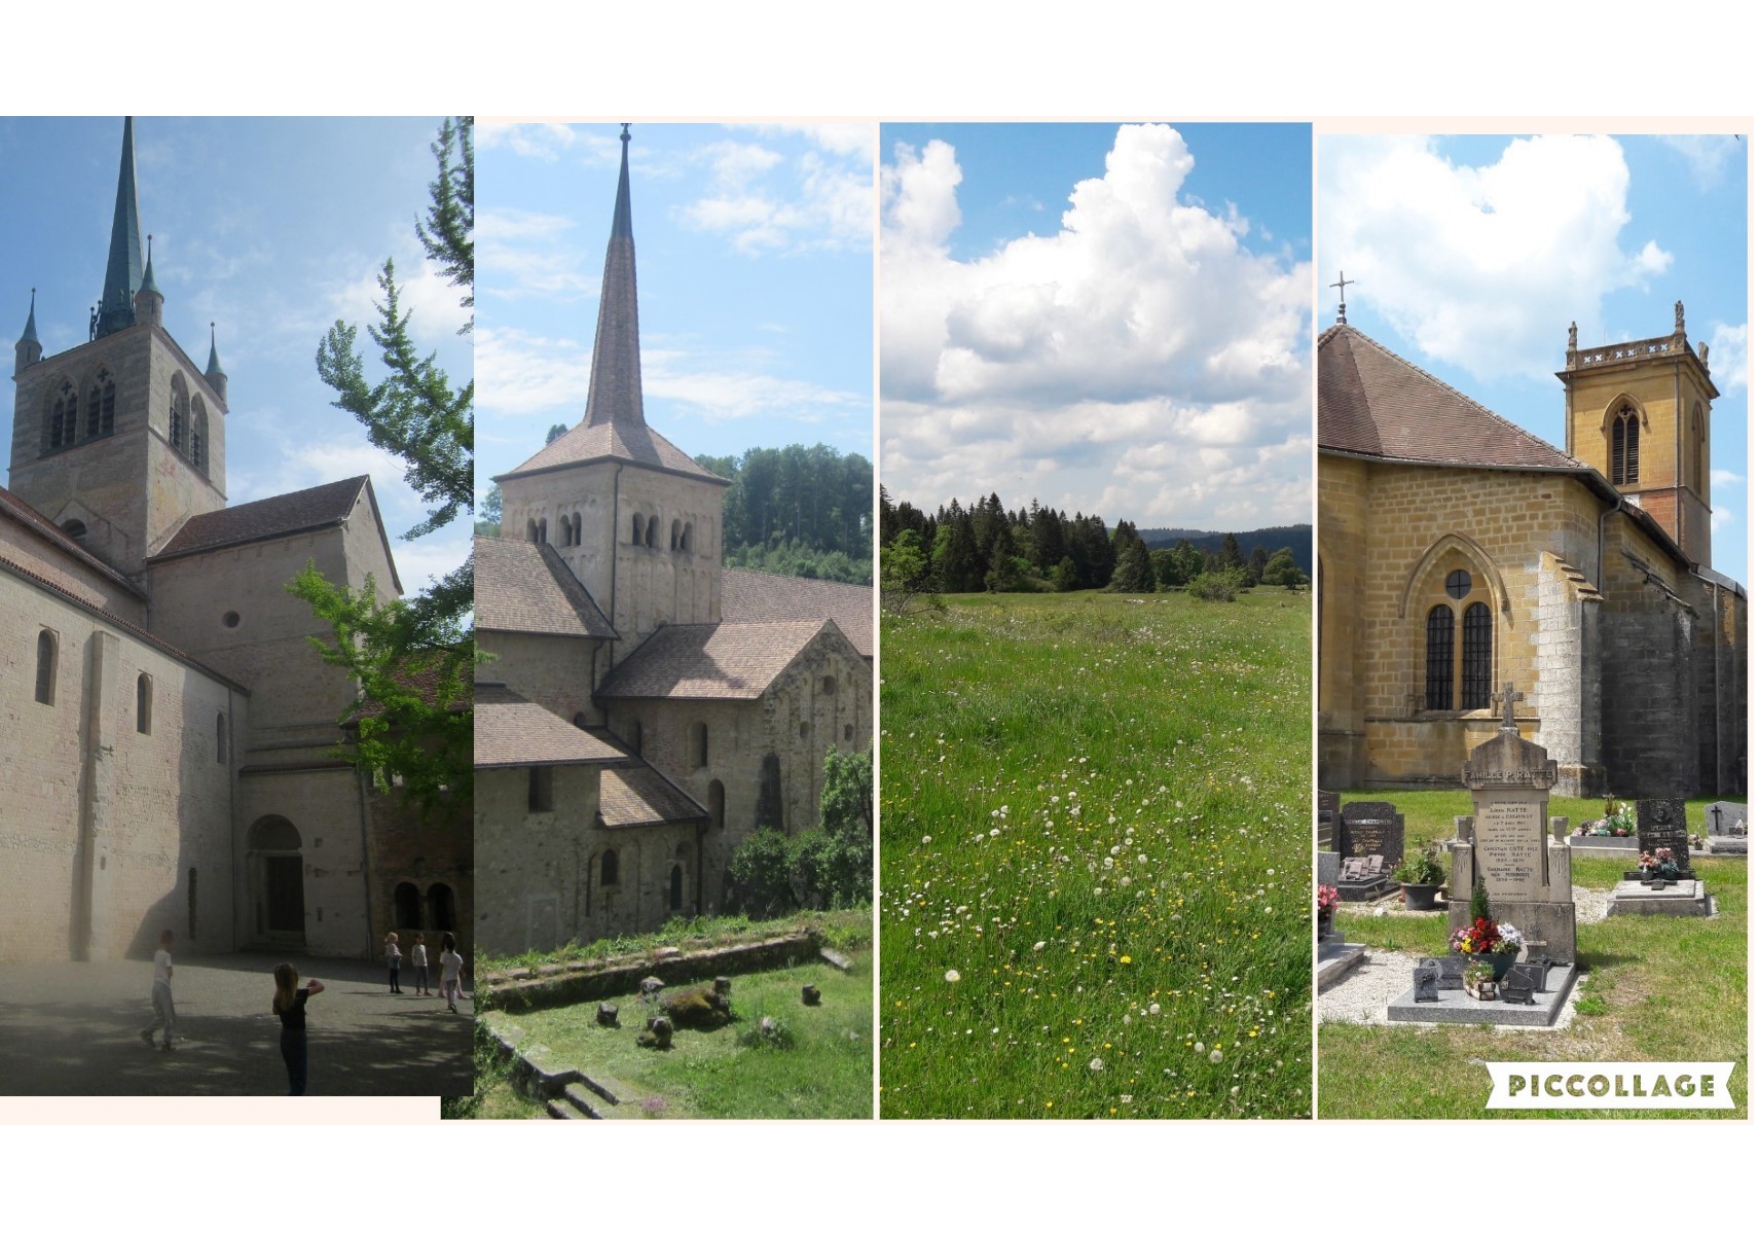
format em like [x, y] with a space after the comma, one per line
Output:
[802, 512]
[985, 546]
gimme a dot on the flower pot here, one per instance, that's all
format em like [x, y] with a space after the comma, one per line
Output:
[1499, 961]
[1324, 927]
[1486, 990]
[1420, 895]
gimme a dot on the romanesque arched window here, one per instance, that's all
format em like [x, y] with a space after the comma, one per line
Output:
[1476, 657]
[652, 533]
[1440, 650]
[442, 903]
[578, 529]
[46, 651]
[542, 531]
[639, 529]
[143, 704]
[100, 407]
[74, 529]
[715, 804]
[611, 869]
[675, 888]
[697, 743]
[1623, 454]
[530, 530]
[541, 789]
[407, 899]
[675, 534]
[688, 536]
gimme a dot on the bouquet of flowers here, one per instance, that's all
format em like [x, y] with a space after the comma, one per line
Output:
[1483, 936]
[1327, 901]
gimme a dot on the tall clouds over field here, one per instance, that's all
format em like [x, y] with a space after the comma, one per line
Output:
[1148, 360]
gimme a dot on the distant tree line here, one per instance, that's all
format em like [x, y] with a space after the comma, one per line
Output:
[961, 549]
[802, 512]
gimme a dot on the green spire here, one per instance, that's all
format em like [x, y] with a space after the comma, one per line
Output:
[30, 324]
[615, 394]
[213, 367]
[122, 275]
[147, 283]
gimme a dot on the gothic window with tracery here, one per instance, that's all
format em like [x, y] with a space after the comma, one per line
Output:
[1440, 637]
[1623, 456]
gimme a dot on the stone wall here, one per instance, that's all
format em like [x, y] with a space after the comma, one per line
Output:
[558, 673]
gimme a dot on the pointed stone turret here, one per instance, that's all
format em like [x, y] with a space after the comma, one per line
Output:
[123, 274]
[149, 302]
[615, 380]
[215, 373]
[29, 349]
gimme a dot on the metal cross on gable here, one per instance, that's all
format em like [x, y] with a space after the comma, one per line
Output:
[1509, 698]
[1341, 284]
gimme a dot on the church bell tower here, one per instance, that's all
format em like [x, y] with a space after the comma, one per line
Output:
[121, 438]
[1639, 412]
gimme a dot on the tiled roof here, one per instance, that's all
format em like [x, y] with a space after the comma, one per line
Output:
[728, 660]
[511, 731]
[28, 517]
[752, 596]
[614, 441]
[1373, 403]
[310, 509]
[523, 587]
[640, 797]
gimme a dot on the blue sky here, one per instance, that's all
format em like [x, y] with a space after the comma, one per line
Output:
[271, 228]
[1472, 255]
[753, 247]
[1110, 319]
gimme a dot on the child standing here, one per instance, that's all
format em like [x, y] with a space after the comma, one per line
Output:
[450, 971]
[164, 1011]
[394, 954]
[289, 1006]
[417, 954]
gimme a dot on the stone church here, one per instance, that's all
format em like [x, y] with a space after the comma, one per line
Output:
[1458, 553]
[165, 724]
[646, 708]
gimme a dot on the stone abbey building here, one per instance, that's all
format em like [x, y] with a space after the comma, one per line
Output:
[646, 708]
[165, 726]
[1458, 552]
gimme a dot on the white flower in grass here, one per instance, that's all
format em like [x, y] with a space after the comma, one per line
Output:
[1096, 1064]
[1040, 944]
[1217, 1057]
[952, 976]
[1155, 1010]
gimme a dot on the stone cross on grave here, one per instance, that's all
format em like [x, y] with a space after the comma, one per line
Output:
[1509, 698]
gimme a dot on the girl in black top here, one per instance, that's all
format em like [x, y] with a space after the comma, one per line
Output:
[289, 1006]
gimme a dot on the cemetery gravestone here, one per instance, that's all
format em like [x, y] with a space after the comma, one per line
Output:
[1662, 824]
[1449, 972]
[1372, 835]
[1425, 984]
[1727, 825]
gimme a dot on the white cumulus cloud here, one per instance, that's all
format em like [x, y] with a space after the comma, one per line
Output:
[1157, 364]
[1484, 266]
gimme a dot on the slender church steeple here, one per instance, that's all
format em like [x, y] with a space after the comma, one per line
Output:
[615, 380]
[123, 274]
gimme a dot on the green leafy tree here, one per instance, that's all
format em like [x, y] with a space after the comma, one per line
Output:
[1257, 564]
[411, 659]
[1282, 570]
[760, 874]
[1065, 575]
[555, 432]
[492, 509]
[846, 794]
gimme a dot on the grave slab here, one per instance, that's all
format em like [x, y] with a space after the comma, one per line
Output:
[1682, 898]
[1460, 1008]
[1334, 960]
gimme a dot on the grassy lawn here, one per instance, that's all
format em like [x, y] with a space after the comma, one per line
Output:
[824, 1071]
[1095, 858]
[1656, 989]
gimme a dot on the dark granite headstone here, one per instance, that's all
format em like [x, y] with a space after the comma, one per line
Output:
[1449, 972]
[1520, 984]
[1327, 816]
[1372, 827]
[1662, 824]
[1425, 984]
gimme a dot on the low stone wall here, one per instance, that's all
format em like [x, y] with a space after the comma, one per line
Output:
[551, 986]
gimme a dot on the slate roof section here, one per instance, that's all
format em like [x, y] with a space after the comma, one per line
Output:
[512, 731]
[728, 661]
[614, 441]
[1374, 403]
[296, 512]
[523, 587]
[34, 521]
[751, 596]
[641, 797]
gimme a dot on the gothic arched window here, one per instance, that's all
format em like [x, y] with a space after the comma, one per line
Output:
[1623, 456]
[198, 436]
[63, 424]
[1476, 657]
[100, 407]
[1440, 651]
[179, 416]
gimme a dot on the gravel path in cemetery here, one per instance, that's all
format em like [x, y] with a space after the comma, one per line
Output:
[1362, 996]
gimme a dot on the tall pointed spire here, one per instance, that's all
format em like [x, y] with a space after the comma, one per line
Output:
[123, 274]
[30, 324]
[615, 379]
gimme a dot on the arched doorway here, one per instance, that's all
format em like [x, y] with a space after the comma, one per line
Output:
[275, 864]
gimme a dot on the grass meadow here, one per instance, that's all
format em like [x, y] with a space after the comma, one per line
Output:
[1655, 989]
[1096, 857]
